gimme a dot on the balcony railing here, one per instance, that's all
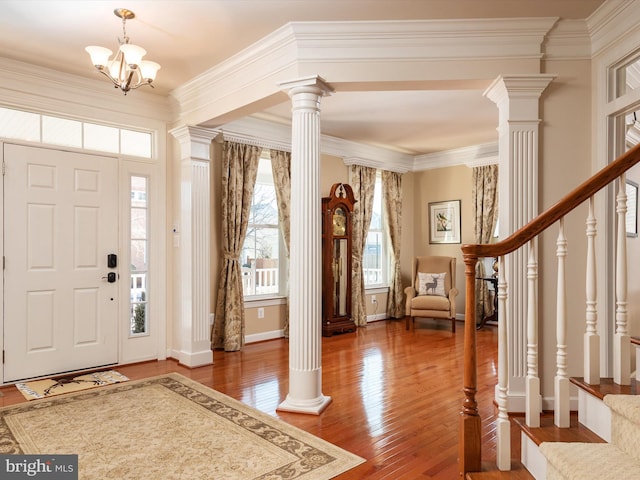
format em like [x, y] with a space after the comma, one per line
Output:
[259, 281]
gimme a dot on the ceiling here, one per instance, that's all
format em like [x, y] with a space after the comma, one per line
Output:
[187, 37]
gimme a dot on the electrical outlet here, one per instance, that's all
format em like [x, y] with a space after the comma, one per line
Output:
[374, 299]
[261, 313]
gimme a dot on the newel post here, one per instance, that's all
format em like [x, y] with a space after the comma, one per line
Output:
[470, 425]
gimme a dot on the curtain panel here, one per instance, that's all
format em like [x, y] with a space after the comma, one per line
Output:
[281, 168]
[363, 182]
[392, 198]
[485, 212]
[239, 172]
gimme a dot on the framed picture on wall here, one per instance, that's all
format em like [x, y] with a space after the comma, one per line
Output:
[444, 222]
[632, 209]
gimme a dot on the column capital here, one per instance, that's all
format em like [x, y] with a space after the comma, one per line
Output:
[195, 142]
[523, 86]
[312, 84]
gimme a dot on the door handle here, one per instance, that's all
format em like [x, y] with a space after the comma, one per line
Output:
[111, 277]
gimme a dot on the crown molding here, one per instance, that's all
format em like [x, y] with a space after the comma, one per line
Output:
[472, 156]
[568, 40]
[609, 20]
[24, 85]
[421, 40]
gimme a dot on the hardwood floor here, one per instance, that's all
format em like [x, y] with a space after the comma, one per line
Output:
[396, 395]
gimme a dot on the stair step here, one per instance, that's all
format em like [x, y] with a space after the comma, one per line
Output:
[548, 432]
[588, 460]
[520, 474]
[607, 387]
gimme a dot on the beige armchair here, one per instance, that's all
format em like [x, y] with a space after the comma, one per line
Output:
[432, 294]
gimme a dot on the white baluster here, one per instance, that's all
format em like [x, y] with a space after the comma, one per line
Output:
[622, 342]
[533, 400]
[591, 337]
[503, 426]
[561, 381]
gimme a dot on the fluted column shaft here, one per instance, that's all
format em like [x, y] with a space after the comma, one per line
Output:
[517, 98]
[305, 270]
[195, 246]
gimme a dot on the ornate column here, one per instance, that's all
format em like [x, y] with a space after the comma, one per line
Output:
[517, 98]
[195, 246]
[305, 270]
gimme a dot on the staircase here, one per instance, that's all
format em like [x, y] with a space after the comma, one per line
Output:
[577, 452]
[602, 441]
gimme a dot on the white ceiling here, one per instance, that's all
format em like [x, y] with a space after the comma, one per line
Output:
[187, 37]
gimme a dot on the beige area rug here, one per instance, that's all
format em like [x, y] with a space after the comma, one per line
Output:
[168, 427]
[57, 386]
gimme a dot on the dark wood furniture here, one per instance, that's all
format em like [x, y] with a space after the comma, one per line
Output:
[337, 211]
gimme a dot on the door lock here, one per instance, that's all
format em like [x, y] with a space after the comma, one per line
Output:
[111, 277]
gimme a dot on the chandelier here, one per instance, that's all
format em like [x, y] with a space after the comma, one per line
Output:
[127, 70]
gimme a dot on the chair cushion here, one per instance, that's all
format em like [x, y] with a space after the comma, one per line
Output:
[430, 302]
[431, 283]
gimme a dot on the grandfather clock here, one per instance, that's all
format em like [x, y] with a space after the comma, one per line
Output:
[337, 222]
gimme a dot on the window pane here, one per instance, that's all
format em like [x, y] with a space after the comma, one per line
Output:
[60, 131]
[376, 214]
[138, 191]
[260, 262]
[101, 138]
[264, 208]
[139, 318]
[138, 223]
[135, 143]
[138, 255]
[21, 125]
[138, 287]
[372, 259]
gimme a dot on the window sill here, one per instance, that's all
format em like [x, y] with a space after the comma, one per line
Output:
[266, 301]
[376, 289]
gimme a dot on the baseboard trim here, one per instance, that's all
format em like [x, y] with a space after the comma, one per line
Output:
[262, 336]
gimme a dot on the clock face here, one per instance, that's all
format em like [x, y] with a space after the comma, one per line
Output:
[339, 222]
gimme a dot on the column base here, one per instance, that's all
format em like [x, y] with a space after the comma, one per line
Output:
[313, 407]
[196, 359]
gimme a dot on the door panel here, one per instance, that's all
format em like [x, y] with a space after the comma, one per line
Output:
[60, 225]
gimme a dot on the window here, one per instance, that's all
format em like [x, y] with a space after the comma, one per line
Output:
[139, 256]
[374, 257]
[34, 127]
[261, 262]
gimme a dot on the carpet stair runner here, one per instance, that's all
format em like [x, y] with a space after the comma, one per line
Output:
[578, 453]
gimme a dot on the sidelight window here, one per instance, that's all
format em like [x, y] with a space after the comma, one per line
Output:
[139, 248]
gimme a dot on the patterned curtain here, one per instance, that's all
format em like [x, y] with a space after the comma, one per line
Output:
[392, 198]
[363, 182]
[281, 167]
[239, 171]
[485, 211]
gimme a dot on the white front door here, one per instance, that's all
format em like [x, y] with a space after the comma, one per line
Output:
[60, 224]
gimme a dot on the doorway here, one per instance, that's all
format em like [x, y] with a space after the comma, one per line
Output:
[61, 286]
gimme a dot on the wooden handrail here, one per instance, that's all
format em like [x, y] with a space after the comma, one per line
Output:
[590, 187]
[470, 423]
